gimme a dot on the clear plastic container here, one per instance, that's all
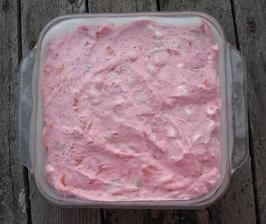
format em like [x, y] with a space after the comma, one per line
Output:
[234, 125]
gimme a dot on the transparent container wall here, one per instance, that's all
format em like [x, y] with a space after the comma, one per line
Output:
[66, 24]
[240, 135]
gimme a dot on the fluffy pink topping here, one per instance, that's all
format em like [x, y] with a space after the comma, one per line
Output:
[132, 112]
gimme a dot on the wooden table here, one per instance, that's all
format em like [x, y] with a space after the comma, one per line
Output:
[21, 21]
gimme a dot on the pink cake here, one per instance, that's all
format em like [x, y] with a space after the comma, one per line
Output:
[132, 112]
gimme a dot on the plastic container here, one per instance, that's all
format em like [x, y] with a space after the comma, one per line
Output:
[234, 125]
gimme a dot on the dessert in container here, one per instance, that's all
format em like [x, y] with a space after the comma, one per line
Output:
[233, 128]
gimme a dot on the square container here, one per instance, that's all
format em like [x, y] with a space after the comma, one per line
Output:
[233, 115]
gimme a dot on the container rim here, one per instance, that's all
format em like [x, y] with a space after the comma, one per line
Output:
[199, 202]
[202, 15]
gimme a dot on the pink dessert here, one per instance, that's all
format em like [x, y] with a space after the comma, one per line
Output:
[132, 112]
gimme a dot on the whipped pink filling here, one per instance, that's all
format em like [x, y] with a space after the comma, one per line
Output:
[132, 112]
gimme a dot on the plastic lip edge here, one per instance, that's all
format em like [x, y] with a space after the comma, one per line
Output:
[156, 204]
[24, 64]
[245, 158]
[195, 202]
[58, 19]
[19, 96]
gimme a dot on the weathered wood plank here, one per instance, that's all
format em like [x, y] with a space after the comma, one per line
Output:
[12, 191]
[35, 14]
[134, 216]
[251, 28]
[123, 216]
[237, 206]
[195, 217]
[121, 5]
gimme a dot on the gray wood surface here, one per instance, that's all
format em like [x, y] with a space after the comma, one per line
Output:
[121, 6]
[12, 193]
[36, 14]
[251, 28]
[238, 205]
[140, 216]
[21, 23]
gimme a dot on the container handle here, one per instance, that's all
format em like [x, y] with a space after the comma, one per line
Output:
[25, 105]
[240, 151]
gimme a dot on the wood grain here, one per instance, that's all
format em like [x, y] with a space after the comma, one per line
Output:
[139, 216]
[36, 14]
[237, 206]
[121, 6]
[12, 192]
[251, 29]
